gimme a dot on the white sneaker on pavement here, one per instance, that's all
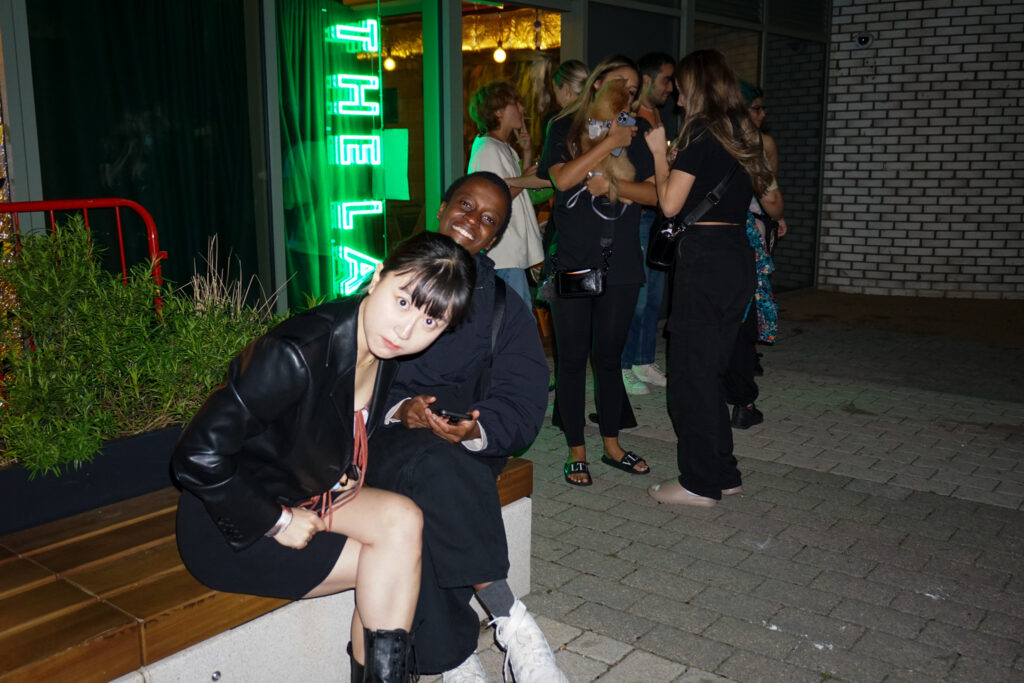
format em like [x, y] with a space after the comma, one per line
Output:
[526, 649]
[634, 385]
[651, 374]
[470, 671]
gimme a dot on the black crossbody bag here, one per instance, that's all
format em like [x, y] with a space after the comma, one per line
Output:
[665, 232]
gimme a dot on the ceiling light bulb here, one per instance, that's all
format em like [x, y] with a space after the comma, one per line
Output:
[499, 54]
[389, 63]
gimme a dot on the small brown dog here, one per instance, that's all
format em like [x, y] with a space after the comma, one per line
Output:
[611, 99]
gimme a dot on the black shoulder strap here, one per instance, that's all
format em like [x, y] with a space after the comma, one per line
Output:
[498, 313]
[483, 381]
[712, 197]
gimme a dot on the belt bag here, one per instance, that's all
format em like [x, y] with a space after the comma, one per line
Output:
[589, 282]
[665, 233]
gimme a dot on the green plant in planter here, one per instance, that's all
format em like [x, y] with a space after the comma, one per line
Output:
[101, 362]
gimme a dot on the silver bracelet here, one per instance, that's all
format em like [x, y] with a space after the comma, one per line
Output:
[282, 522]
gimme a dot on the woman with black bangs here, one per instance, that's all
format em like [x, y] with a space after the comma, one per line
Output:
[272, 463]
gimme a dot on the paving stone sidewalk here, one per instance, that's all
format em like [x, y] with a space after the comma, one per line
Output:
[879, 536]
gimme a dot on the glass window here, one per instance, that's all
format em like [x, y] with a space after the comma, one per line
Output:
[741, 47]
[332, 145]
[150, 102]
[747, 10]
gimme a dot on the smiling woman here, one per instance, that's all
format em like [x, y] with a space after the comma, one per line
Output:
[475, 211]
[602, 173]
[272, 463]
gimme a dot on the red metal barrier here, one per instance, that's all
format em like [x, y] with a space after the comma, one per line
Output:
[85, 205]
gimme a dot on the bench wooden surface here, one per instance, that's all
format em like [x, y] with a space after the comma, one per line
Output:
[95, 596]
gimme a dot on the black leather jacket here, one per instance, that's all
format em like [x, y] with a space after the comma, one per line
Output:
[278, 430]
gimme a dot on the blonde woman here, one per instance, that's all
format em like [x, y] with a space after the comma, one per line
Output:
[597, 325]
[713, 278]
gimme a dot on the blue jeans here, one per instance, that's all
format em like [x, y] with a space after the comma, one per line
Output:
[515, 278]
[642, 340]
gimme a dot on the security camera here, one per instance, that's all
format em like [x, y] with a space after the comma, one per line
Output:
[862, 40]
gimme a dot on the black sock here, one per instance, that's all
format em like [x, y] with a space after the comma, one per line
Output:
[498, 598]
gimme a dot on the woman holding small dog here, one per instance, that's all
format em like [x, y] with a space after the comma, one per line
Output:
[602, 174]
[713, 279]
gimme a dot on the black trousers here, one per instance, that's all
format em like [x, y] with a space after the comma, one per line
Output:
[714, 280]
[740, 385]
[599, 325]
[463, 534]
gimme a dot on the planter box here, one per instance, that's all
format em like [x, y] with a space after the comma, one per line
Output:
[121, 469]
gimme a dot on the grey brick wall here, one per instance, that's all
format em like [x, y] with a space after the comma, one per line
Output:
[924, 151]
[794, 93]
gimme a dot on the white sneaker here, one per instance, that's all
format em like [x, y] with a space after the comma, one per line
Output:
[470, 671]
[634, 385]
[527, 652]
[651, 374]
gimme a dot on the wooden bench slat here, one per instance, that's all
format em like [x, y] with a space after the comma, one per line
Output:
[95, 521]
[28, 608]
[515, 481]
[92, 644]
[189, 623]
[109, 545]
[177, 611]
[168, 592]
[128, 571]
[21, 575]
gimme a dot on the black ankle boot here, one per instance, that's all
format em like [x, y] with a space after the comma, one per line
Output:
[358, 672]
[387, 656]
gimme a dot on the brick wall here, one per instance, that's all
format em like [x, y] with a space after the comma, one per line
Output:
[794, 93]
[924, 155]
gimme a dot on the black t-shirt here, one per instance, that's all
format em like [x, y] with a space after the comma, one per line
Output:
[580, 227]
[707, 160]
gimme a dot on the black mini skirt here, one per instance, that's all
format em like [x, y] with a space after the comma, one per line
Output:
[265, 568]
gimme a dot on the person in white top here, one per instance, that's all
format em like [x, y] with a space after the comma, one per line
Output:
[498, 113]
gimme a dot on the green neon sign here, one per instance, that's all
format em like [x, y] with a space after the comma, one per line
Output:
[354, 147]
[359, 267]
[352, 100]
[361, 37]
[344, 213]
[354, 150]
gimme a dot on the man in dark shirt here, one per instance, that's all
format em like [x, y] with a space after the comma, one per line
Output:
[492, 369]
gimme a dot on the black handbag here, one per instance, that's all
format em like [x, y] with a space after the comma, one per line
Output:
[665, 232]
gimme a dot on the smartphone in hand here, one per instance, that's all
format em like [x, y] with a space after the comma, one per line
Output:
[453, 416]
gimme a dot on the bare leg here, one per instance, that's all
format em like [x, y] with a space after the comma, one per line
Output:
[381, 559]
[357, 638]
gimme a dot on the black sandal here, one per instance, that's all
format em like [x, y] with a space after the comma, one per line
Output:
[628, 463]
[577, 467]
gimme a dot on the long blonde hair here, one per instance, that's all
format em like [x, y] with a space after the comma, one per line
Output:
[713, 99]
[579, 107]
